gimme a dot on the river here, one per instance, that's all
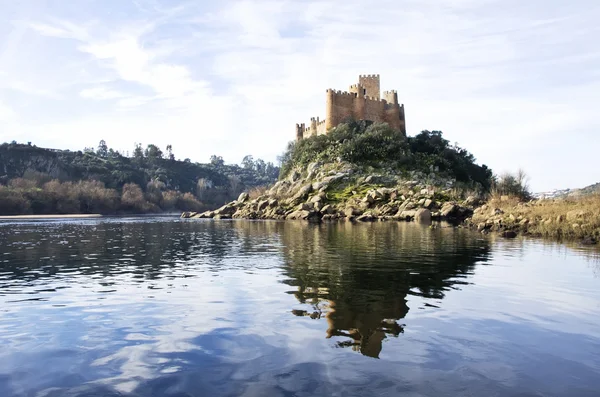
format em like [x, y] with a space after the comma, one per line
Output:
[170, 307]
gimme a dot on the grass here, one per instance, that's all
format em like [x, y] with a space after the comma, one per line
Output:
[568, 218]
[349, 192]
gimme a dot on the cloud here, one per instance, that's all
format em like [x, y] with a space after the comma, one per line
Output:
[232, 78]
[101, 93]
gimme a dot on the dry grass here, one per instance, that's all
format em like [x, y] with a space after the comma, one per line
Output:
[570, 218]
[257, 191]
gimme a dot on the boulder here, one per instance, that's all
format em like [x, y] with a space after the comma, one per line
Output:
[509, 234]
[367, 217]
[316, 199]
[406, 215]
[243, 197]
[352, 212]
[423, 215]
[328, 209]
[312, 169]
[449, 210]
[303, 193]
[262, 205]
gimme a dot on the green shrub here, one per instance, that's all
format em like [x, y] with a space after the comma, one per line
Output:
[378, 146]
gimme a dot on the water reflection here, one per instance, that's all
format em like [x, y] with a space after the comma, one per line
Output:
[159, 307]
[358, 278]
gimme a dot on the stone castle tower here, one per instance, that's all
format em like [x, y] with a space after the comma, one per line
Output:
[361, 102]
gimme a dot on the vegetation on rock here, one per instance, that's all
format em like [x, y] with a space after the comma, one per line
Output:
[366, 172]
[377, 146]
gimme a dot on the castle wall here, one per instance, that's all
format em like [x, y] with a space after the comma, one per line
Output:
[340, 106]
[371, 84]
[391, 97]
[362, 102]
[374, 110]
[392, 116]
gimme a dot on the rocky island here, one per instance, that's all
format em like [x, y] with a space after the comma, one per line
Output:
[363, 172]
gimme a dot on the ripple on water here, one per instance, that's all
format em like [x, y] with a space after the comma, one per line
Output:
[158, 306]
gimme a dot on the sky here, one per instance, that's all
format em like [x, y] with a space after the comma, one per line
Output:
[517, 83]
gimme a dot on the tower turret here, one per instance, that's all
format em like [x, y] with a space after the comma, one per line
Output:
[371, 84]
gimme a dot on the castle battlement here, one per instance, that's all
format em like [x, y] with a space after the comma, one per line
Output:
[362, 102]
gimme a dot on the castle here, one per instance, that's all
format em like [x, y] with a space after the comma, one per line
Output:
[361, 102]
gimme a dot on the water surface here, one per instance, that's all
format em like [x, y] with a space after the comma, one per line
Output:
[169, 307]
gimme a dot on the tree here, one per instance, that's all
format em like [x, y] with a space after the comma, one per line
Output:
[202, 187]
[170, 152]
[138, 152]
[102, 149]
[217, 161]
[235, 184]
[248, 162]
[152, 152]
[260, 166]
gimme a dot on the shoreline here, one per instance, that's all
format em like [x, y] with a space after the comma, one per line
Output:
[9, 217]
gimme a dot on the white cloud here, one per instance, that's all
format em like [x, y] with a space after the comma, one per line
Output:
[101, 93]
[504, 79]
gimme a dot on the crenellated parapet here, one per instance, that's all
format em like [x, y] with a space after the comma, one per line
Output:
[361, 102]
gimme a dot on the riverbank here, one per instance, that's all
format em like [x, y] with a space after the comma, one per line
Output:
[575, 218]
[65, 216]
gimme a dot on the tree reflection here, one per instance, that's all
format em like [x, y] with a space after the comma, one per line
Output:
[357, 277]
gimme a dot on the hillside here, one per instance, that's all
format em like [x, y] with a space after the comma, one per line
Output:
[26, 170]
[367, 171]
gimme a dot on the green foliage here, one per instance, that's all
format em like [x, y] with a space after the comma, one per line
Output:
[377, 145]
[155, 173]
[514, 185]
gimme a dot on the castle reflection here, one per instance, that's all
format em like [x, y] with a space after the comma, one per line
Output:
[357, 277]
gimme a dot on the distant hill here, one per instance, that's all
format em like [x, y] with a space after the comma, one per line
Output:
[563, 193]
[26, 167]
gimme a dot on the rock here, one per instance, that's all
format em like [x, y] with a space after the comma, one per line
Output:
[243, 197]
[273, 202]
[303, 193]
[368, 217]
[306, 207]
[472, 201]
[222, 216]
[589, 240]
[524, 222]
[428, 204]
[262, 205]
[316, 199]
[449, 210]
[294, 176]
[352, 212]
[406, 215]
[422, 215]
[312, 169]
[328, 209]
[318, 205]
[508, 234]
